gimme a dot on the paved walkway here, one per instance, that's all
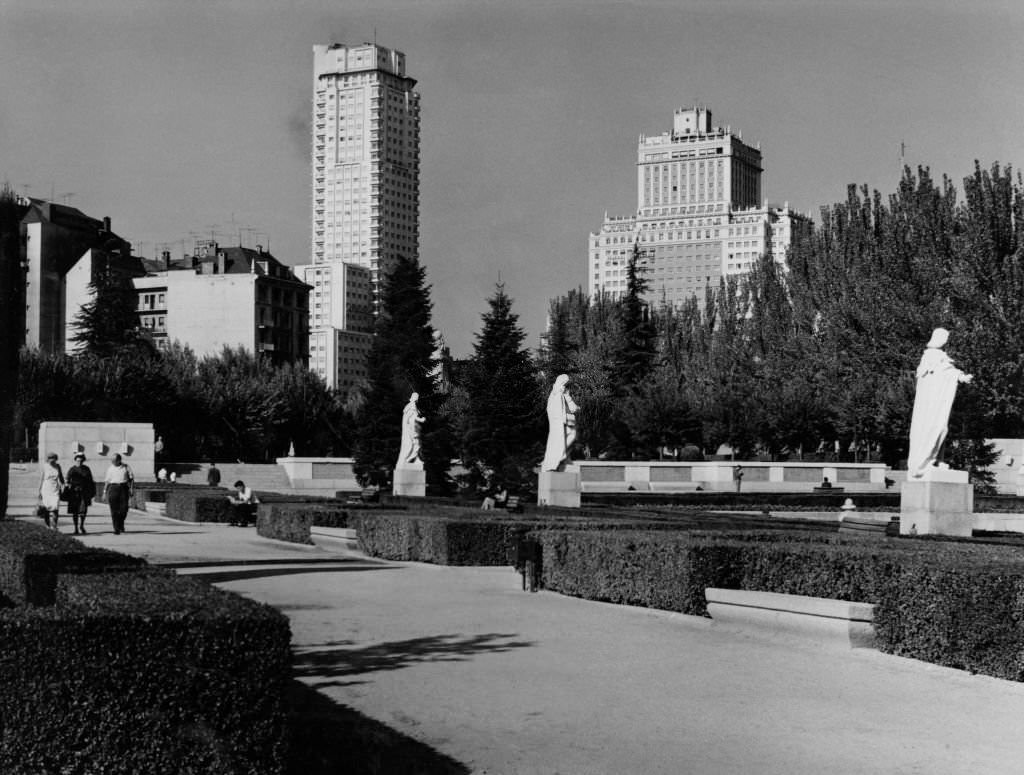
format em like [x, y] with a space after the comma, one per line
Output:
[511, 683]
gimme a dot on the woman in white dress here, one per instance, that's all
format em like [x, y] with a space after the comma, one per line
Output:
[51, 484]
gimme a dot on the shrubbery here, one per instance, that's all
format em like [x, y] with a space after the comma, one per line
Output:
[33, 557]
[136, 671]
[951, 603]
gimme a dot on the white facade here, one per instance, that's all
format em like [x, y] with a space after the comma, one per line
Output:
[340, 320]
[366, 172]
[698, 215]
[366, 157]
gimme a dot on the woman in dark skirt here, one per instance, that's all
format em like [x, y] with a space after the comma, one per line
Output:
[81, 491]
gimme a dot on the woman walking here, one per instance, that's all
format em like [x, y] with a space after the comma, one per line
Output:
[81, 491]
[117, 492]
[51, 483]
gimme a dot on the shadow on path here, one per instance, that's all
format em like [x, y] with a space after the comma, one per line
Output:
[330, 662]
[328, 738]
[241, 574]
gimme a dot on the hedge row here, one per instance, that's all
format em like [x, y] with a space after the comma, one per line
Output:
[33, 557]
[949, 603]
[451, 536]
[285, 522]
[143, 672]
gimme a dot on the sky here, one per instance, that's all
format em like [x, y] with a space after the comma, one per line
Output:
[190, 119]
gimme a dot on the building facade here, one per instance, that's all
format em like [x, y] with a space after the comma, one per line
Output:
[340, 320]
[226, 297]
[699, 214]
[366, 172]
[63, 249]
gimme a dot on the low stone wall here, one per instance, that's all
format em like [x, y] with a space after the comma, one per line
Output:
[681, 476]
[821, 620]
[329, 474]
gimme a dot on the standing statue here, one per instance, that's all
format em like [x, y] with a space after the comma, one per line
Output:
[937, 379]
[561, 425]
[409, 452]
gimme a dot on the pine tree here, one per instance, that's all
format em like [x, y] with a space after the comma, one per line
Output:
[638, 352]
[109, 323]
[400, 363]
[505, 428]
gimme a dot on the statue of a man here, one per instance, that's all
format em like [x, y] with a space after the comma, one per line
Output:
[409, 452]
[937, 379]
[561, 425]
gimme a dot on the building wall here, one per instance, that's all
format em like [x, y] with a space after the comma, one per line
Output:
[205, 312]
[366, 171]
[365, 157]
[698, 215]
[100, 441]
[44, 300]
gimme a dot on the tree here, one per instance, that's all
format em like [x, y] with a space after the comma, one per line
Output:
[401, 363]
[505, 403]
[109, 323]
[639, 334]
[12, 310]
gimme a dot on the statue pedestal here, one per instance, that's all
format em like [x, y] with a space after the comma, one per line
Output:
[559, 488]
[939, 503]
[410, 482]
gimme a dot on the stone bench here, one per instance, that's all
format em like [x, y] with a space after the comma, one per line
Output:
[820, 620]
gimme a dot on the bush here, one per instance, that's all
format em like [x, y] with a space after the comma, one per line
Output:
[198, 505]
[951, 603]
[143, 672]
[33, 557]
[284, 522]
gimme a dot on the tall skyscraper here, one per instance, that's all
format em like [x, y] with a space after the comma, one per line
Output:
[699, 214]
[366, 181]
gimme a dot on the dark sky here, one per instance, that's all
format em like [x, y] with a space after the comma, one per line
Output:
[190, 119]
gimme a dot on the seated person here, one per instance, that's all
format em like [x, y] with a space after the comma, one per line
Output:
[243, 505]
[497, 497]
[826, 484]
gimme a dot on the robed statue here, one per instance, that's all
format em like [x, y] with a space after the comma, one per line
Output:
[937, 380]
[561, 425]
[409, 451]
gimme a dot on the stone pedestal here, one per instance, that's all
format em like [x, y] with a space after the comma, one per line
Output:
[939, 503]
[559, 488]
[411, 482]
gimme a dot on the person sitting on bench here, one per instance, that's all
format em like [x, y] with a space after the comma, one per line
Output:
[825, 484]
[243, 505]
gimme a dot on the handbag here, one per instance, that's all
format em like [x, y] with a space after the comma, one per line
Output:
[41, 511]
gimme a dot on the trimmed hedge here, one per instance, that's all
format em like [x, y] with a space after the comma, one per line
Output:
[285, 522]
[143, 672]
[33, 557]
[198, 504]
[951, 603]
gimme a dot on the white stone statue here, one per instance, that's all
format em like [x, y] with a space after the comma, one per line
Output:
[561, 425]
[409, 452]
[937, 379]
